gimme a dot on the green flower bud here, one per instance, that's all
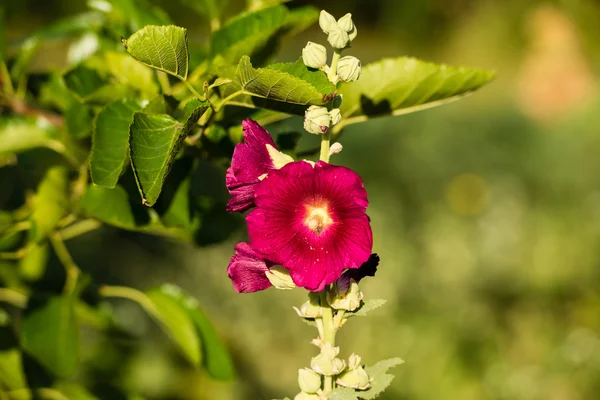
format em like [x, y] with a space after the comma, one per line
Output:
[355, 378]
[346, 22]
[308, 380]
[349, 69]
[335, 116]
[354, 361]
[327, 22]
[280, 278]
[317, 120]
[306, 396]
[338, 38]
[326, 363]
[348, 299]
[314, 55]
[309, 310]
[335, 148]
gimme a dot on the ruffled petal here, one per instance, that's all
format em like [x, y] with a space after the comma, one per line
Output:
[247, 270]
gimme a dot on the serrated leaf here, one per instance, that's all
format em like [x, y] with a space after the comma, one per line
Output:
[50, 204]
[247, 32]
[286, 82]
[113, 207]
[110, 141]
[154, 141]
[176, 322]
[342, 393]
[368, 305]
[396, 86]
[128, 71]
[379, 377]
[215, 356]
[161, 47]
[21, 134]
[50, 334]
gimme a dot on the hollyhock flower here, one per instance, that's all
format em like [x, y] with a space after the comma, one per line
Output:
[251, 162]
[312, 220]
[247, 270]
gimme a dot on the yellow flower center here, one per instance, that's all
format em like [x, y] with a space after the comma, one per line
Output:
[317, 218]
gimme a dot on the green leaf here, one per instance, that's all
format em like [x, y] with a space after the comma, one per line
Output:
[379, 377]
[215, 356]
[247, 33]
[110, 141]
[396, 86]
[83, 80]
[286, 82]
[74, 391]
[129, 71]
[139, 13]
[112, 206]
[33, 265]
[154, 142]
[176, 322]
[50, 334]
[12, 376]
[161, 47]
[368, 305]
[21, 134]
[79, 119]
[300, 19]
[50, 204]
[342, 393]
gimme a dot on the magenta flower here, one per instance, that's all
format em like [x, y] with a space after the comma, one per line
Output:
[247, 270]
[312, 221]
[251, 162]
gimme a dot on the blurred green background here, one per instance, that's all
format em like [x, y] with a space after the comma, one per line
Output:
[486, 215]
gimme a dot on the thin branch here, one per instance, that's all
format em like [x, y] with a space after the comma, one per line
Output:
[66, 260]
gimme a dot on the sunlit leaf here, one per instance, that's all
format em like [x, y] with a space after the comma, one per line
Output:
[128, 71]
[50, 203]
[368, 305]
[285, 82]
[161, 47]
[50, 334]
[154, 142]
[215, 356]
[176, 322]
[395, 86]
[247, 32]
[21, 134]
[379, 377]
[110, 141]
[343, 393]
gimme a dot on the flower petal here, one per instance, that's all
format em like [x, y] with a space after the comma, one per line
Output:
[247, 270]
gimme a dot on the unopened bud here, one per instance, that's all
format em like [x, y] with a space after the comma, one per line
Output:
[314, 55]
[356, 378]
[345, 298]
[327, 362]
[317, 120]
[311, 308]
[354, 361]
[349, 69]
[338, 38]
[335, 148]
[280, 278]
[346, 22]
[335, 116]
[308, 380]
[327, 22]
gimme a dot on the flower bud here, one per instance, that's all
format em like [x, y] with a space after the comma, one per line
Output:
[355, 378]
[306, 396]
[345, 298]
[349, 69]
[326, 363]
[308, 380]
[314, 55]
[327, 22]
[354, 361]
[280, 278]
[346, 22]
[335, 116]
[309, 310]
[338, 38]
[335, 148]
[317, 120]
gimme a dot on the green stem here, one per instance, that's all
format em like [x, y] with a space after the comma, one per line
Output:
[13, 297]
[79, 228]
[66, 260]
[132, 294]
[227, 99]
[191, 89]
[325, 142]
[163, 80]
[329, 331]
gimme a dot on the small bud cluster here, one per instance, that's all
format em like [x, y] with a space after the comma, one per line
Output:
[340, 34]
